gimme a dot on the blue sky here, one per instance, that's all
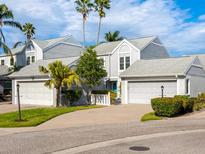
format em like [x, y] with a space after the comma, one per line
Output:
[180, 24]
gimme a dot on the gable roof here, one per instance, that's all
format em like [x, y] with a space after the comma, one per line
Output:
[201, 58]
[108, 47]
[44, 44]
[32, 70]
[159, 67]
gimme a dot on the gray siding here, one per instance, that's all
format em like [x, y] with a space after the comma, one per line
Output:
[62, 51]
[153, 51]
[197, 71]
[196, 85]
[21, 59]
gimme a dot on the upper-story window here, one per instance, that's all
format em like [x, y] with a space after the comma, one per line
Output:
[127, 62]
[33, 59]
[124, 62]
[28, 60]
[2, 62]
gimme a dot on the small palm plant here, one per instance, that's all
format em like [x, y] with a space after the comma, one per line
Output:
[84, 7]
[6, 19]
[100, 7]
[60, 76]
[113, 36]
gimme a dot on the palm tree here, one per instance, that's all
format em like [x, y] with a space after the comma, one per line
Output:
[29, 30]
[101, 5]
[60, 76]
[84, 7]
[113, 36]
[6, 19]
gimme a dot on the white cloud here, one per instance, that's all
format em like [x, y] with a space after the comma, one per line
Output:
[133, 18]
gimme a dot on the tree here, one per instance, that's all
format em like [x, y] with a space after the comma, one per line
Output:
[29, 30]
[84, 7]
[113, 36]
[60, 76]
[91, 70]
[101, 5]
[6, 19]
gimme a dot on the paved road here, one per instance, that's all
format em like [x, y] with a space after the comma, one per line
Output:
[49, 141]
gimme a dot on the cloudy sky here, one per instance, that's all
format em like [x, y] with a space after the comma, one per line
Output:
[180, 24]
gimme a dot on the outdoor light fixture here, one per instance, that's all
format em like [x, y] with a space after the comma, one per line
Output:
[162, 90]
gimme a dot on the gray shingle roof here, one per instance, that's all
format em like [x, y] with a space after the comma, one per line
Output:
[159, 67]
[107, 48]
[201, 58]
[32, 70]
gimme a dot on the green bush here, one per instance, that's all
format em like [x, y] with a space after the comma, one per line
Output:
[199, 102]
[166, 107]
[186, 102]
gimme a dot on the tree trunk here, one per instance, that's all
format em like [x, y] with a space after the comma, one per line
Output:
[83, 32]
[99, 28]
[58, 97]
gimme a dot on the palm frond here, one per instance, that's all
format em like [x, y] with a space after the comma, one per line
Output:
[43, 70]
[2, 36]
[12, 24]
[17, 44]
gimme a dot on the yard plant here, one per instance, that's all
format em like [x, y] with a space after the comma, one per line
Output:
[60, 76]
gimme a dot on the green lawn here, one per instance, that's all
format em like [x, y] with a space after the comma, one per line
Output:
[34, 117]
[150, 116]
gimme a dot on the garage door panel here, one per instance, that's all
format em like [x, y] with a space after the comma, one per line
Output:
[143, 92]
[35, 93]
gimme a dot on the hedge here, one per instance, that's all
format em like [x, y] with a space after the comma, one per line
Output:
[166, 107]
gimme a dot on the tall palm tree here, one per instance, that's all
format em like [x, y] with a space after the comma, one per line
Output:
[101, 5]
[84, 7]
[6, 19]
[60, 76]
[29, 30]
[113, 36]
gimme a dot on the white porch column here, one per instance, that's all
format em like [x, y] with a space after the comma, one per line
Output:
[119, 88]
[181, 86]
[124, 95]
[14, 92]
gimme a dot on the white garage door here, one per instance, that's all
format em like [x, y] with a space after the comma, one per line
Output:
[35, 93]
[143, 92]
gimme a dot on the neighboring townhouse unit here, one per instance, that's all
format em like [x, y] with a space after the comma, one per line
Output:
[35, 50]
[31, 83]
[145, 79]
[119, 55]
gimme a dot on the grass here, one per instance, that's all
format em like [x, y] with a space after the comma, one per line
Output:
[150, 116]
[34, 117]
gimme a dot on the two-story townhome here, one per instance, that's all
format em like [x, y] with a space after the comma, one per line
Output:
[119, 55]
[36, 50]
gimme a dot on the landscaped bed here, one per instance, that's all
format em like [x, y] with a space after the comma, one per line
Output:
[169, 107]
[34, 117]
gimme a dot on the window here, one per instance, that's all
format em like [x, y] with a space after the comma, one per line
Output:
[187, 86]
[11, 61]
[2, 62]
[122, 63]
[127, 62]
[33, 59]
[28, 60]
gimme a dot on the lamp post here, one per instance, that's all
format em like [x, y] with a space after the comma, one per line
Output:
[19, 105]
[162, 90]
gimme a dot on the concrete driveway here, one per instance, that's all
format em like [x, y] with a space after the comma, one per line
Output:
[106, 115]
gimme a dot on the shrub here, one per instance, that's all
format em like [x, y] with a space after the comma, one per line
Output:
[199, 102]
[187, 104]
[167, 107]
